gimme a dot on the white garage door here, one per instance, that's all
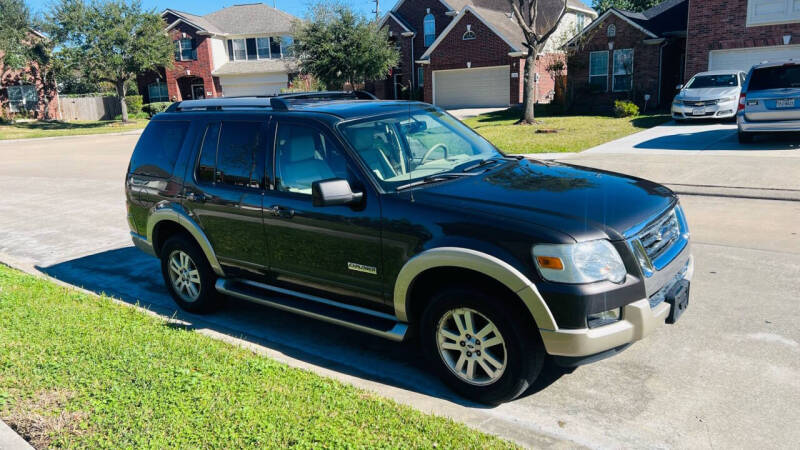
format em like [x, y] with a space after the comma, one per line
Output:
[745, 58]
[253, 84]
[480, 87]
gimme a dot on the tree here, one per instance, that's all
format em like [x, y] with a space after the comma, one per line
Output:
[538, 20]
[628, 5]
[337, 46]
[15, 42]
[109, 41]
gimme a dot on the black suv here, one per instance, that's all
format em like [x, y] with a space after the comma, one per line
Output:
[395, 219]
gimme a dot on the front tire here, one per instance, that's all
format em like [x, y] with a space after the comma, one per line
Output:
[484, 348]
[188, 275]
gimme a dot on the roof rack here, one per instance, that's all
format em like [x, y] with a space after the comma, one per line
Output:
[283, 101]
[279, 103]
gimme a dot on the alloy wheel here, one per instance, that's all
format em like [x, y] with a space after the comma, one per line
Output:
[185, 276]
[471, 346]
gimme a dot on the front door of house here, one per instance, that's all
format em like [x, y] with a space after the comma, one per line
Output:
[198, 91]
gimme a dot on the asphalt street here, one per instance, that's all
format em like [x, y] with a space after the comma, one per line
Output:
[727, 375]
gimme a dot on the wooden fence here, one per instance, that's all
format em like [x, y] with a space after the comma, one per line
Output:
[89, 108]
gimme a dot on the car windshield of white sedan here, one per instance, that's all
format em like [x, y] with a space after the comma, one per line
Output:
[713, 81]
[416, 145]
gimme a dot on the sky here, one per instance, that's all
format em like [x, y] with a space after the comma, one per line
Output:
[294, 7]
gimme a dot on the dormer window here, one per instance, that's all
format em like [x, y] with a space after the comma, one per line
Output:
[469, 34]
[429, 25]
[612, 31]
[580, 21]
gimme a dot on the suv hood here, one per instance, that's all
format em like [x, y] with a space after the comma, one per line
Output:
[582, 202]
[704, 94]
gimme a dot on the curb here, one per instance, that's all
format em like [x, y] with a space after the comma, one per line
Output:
[121, 133]
[10, 440]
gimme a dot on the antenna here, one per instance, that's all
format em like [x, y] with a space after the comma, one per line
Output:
[377, 9]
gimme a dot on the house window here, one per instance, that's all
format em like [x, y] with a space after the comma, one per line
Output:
[22, 98]
[771, 12]
[263, 47]
[157, 92]
[429, 24]
[598, 71]
[612, 31]
[469, 34]
[286, 46]
[420, 76]
[580, 21]
[623, 70]
[275, 47]
[184, 50]
[237, 49]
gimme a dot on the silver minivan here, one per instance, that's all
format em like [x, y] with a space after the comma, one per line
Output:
[770, 100]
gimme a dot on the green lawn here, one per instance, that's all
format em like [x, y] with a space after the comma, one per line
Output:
[50, 129]
[83, 372]
[574, 133]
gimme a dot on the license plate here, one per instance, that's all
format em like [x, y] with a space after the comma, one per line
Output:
[699, 112]
[785, 103]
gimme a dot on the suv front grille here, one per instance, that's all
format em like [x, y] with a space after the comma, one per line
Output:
[657, 238]
[657, 243]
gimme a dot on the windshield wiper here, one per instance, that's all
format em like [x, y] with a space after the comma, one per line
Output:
[483, 163]
[433, 179]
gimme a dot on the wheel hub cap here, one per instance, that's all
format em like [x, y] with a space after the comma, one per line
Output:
[184, 275]
[471, 346]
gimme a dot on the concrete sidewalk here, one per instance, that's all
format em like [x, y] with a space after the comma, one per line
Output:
[10, 440]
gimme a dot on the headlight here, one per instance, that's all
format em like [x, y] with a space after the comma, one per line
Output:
[677, 102]
[585, 262]
[728, 99]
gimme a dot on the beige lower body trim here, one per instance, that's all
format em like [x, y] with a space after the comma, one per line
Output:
[639, 321]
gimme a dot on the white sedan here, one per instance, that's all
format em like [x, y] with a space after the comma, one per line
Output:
[709, 95]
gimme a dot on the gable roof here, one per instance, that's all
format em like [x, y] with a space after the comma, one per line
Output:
[252, 18]
[391, 15]
[496, 14]
[669, 16]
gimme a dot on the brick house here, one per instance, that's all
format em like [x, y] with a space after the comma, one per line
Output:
[736, 34]
[25, 92]
[468, 53]
[242, 50]
[625, 55]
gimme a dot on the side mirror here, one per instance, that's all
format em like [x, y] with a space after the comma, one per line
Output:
[334, 191]
[679, 87]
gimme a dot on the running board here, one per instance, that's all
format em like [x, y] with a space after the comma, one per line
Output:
[361, 319]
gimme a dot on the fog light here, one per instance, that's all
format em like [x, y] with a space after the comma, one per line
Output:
[603, 318]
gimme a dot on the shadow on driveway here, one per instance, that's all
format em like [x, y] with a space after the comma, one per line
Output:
[718, 140]
[135, 278]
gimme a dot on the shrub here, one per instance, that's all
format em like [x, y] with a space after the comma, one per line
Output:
[154, 108]
[134, 103]
[625, 108]
[138, 115]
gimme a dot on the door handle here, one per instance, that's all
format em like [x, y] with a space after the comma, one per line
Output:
[196, 197]
[281, 211]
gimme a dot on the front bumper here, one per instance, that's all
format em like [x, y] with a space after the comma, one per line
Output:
[719, 111]
[776, 126]
[639, 319]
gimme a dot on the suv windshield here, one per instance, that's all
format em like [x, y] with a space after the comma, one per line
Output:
[410, 146]
[713, 81]
[783, 77]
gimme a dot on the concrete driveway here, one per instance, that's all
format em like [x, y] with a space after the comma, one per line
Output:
[727, 375]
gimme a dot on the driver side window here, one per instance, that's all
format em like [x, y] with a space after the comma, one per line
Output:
[304, 155]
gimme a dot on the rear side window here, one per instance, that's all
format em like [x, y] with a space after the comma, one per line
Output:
[783, 77]
[232, 153]
[158, 147]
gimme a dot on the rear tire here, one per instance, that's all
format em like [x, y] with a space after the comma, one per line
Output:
[746, 138]
[494, 371]
[188, 275]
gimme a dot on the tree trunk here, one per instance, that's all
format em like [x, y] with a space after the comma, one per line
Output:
[121, 96]
[529, 97]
